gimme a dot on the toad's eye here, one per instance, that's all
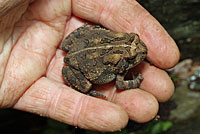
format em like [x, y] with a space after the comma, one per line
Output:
[145, 52]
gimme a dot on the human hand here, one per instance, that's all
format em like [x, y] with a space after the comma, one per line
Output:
[32, 80]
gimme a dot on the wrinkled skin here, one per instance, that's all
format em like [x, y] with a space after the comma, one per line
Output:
[31, 62]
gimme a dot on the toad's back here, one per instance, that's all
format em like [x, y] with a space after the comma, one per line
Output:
[91, 36]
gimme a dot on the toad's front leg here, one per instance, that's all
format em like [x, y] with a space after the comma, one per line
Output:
[128, 84]
[77, 80]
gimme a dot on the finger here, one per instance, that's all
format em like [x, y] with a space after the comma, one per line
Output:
[50, 99]
[129, 16]
[141, 106]
[156, 82]
[32, 53]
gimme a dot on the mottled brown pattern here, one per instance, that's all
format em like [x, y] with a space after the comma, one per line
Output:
[96, 55]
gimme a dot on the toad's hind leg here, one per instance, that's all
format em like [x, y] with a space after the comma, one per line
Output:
[128, 84]
[77, 80]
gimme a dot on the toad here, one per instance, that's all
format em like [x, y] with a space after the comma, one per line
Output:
[96, 55]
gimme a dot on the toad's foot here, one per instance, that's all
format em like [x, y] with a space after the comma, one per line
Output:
[128, 84]
[95, 94]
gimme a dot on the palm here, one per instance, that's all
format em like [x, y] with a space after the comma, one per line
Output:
[33, 81]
